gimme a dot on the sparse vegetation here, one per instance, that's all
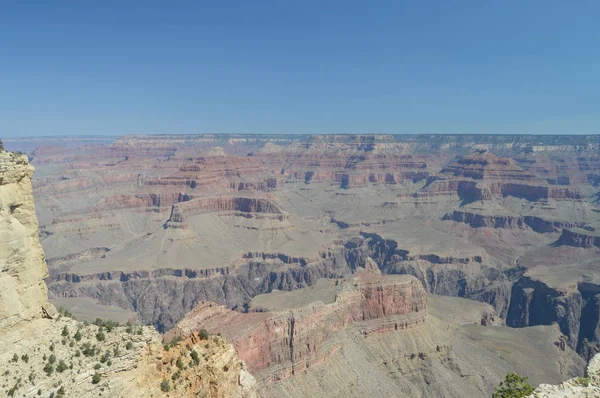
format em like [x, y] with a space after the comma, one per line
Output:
[61, 367]
[513, 386]
[584, 381]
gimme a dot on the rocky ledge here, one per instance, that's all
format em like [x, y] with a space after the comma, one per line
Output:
[276, 345]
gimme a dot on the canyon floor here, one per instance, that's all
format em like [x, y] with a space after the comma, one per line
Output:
[500, 234]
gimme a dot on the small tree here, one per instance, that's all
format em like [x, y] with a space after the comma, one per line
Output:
[204, 335]
[48, 368]
[195, 357]
[61, 367]
[513, 386]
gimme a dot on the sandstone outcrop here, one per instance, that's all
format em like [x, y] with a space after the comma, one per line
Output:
[483, 176]
[23, 296]
[281, 344]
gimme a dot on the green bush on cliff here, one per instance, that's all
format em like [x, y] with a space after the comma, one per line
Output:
[513, 386]
[204, 335]
[165, 386]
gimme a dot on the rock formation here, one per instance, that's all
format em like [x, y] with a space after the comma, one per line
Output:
[281, 344]
[156, 224]
[47, 354]
[23, 296]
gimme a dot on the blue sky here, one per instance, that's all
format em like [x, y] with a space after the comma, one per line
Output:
[104, 67]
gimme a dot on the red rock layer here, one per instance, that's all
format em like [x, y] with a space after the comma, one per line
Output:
[279, 345]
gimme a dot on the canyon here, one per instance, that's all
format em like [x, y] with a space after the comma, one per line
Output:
[190, 232]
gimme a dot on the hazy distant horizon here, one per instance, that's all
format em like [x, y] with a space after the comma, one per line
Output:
[107, 136]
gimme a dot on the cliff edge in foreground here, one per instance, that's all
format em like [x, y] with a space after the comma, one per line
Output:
[23, 296]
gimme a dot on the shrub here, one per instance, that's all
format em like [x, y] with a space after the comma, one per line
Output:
[15, 358]
[88, 350]
[584, 381]
[129, 345]
[52, 347]
[25, 358]
[52, 358]
[97, 366]
[60, 392]
[48, 368]
[96, 378]
[513, 386]
[100, 336]
[165, 386]
[195, 357]
[105, 357]
[179, 363]
[204, 335]
[61, 367]
[77, 336]
[65, 332]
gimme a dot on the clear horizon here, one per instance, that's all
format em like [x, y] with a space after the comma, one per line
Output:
[270, 67]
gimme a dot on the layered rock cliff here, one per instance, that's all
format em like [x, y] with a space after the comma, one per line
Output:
[276, 345]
